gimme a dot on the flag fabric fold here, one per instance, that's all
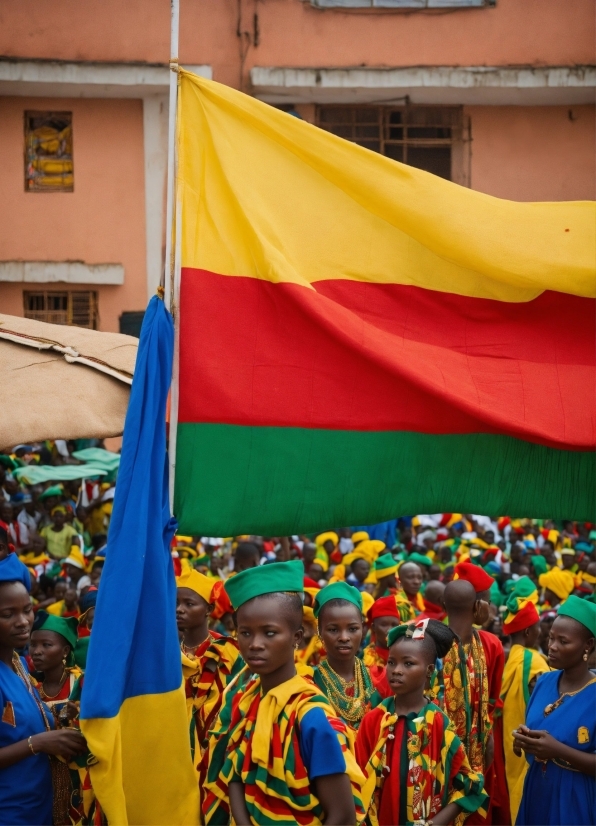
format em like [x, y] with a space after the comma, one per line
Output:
[133, 710]
[361, 339]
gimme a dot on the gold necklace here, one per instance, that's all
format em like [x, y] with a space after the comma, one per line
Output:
[20, 672]
[350, 708]
[190, 652]
[44, 693]
[552, 706]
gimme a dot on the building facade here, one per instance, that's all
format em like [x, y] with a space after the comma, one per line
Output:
[497, 95]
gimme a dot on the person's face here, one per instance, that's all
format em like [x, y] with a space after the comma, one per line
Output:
[59, 590]
[16, 615]
[90, 618]
[489, 537]
[72, 572]
[30, 508]
[583, 563]
[265, 636]
[95, 575]
[408, 668]
[532, 635]
[58, 519]
[6, 513]
[47, 649]
[315, 571]
[308, 553]
[214, 564]
[567, 644]
[388, 582]
[551, 597]
[191, 610]
[329, 546]
[341, 629]
[228, 623]
[381, 627]
[360, 569]
[545, 626]
[410, 577]
[70, 598]
[567, 561]
[445, 555]
[434, 573]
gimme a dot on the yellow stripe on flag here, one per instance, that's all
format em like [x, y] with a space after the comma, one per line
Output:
[128, 781]
[266, 195]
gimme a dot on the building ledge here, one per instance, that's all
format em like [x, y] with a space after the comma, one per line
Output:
[55, 78]
[470, 85]
[66, 272]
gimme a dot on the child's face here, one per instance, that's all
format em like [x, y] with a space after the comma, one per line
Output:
[408, 667]
[341, 630]
[266, 635]
[381, 627]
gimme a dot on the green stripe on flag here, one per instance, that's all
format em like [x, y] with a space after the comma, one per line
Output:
[233, 479]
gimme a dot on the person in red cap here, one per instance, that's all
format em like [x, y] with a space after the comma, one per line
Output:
[477, 656]
[385, 614]
[524, 666]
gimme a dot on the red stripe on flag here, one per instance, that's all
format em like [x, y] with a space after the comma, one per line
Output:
[357, 356]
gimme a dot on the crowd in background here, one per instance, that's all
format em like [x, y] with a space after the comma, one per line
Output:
[485, 592]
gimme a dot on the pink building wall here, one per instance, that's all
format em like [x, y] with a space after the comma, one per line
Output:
[101, 222]
[534, 153]
[293, 33]
[517, 152]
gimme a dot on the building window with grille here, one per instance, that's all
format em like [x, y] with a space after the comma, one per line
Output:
[78, 307]
[427, 137]
[48, 152]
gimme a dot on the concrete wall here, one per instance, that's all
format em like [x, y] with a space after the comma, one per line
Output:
[101, 222]
[534, 153]
[292, 33]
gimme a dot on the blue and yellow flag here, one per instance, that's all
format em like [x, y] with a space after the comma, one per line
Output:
[133, 710]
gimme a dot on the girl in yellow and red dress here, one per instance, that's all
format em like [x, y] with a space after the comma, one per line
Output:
[209, 660]
[415, 765]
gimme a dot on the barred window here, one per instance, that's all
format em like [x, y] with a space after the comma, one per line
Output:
[48, 152]
[78, 307]
[421, 136]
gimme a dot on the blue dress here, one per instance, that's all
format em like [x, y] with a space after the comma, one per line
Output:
[554, 794]
[25, 787]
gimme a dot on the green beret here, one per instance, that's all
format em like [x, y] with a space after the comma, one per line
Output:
[580, 610]
[337, 590]
[65, 626]
[421, 559]
[539, 564]
[265, 579]
[399, 631]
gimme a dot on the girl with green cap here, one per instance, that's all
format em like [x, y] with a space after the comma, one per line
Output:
[53, 640]
[559, 735]
[415, 765]
[343, 677]
[278, 754]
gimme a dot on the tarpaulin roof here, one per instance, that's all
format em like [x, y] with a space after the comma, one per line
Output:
[62, 382]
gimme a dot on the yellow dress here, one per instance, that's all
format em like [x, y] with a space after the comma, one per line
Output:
[523, 664]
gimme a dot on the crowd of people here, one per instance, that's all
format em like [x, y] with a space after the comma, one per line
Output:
[433, 669]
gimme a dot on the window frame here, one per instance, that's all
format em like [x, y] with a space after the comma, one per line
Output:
[71, 314]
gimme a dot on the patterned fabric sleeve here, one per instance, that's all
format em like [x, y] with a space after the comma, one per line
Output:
[466, 787]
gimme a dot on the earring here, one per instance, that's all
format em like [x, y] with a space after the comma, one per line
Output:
[296, 645]
[585, 658]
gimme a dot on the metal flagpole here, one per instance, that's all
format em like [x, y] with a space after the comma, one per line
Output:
[173, 234]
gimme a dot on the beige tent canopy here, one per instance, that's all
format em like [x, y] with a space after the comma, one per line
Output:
[62, 382]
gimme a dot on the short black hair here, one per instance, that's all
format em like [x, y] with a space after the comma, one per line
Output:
[338, 602]
[290, 607]
[247, 550]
